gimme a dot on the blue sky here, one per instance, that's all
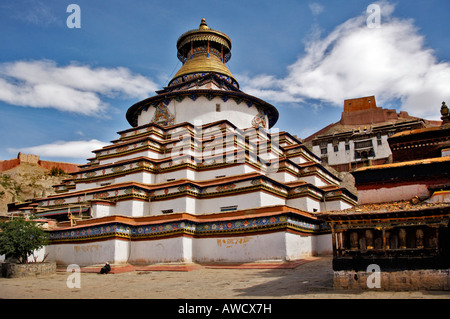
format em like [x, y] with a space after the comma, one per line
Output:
[65, 91]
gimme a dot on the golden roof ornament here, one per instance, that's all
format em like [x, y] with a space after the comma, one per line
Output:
[444, 109]
[445, 116]
[203, 50]
[203, 25]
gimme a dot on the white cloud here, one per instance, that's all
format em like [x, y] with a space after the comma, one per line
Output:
[63, 149]
[74, 88]
[267, 87]
[316, 8]
[32, 11]
[390, 62]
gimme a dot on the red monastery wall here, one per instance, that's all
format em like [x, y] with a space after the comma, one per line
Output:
[371, 116]
[365, 111]
[34, 159]
[6, 165]
[360, 104]
[66, 167]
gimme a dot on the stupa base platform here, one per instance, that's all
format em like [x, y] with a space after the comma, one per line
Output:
[277, 233]
[177, 267]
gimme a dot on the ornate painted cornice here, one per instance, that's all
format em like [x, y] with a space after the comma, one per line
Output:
[134, 111]
[248, 222]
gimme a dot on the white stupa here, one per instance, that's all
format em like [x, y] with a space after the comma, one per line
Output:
[202, 175]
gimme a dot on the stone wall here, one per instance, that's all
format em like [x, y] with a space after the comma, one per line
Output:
[28, 158]
[406, 280]
[13, 270]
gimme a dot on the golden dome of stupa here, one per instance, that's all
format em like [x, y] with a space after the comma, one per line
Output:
[202, 51]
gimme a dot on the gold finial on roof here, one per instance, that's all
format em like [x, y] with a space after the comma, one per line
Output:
[444, 109]
[203, 25]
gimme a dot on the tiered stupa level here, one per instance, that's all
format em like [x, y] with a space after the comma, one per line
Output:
[197, 178]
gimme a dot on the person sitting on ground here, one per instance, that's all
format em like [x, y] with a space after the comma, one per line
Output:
[105, 269]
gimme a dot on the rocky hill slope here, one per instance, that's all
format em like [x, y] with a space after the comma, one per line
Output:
[25, 182]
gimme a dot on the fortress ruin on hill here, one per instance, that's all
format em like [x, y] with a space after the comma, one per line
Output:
[35, 160]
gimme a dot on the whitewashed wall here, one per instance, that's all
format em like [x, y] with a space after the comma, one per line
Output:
[178, 249]
[321, 245]
[85, 254]
[132, 208]
[305, 203]
[102, 210]
[205, 111]
[212, 205]
[334, 205]
[385, 195]
[240, 249]
[343, 156]
[281, 246]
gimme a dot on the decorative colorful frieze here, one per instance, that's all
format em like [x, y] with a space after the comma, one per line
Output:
[100, 195]
[117, 169]
[227, 187]
[282, 222]
[122, 149]
[259, 121]
[90, 174]
[163, 116]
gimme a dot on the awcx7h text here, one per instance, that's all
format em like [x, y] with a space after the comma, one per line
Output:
[247, 308]
[232, 308]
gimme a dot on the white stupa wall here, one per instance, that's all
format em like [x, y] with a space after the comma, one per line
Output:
[178, 249]
[314, 180]
[146, 153]
[132, 208]
[194, 175]
[213, 205]
[102, 210]
[305, 203]
[140, 177]
[272, 246]
[197, 206]
[241, 249]
[334, 205]
[283, 177]
[84, 254]
[204, 111]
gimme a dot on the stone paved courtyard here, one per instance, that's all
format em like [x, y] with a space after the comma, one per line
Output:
[311, 280]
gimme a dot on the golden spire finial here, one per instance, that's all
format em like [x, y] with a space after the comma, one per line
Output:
[203, 25]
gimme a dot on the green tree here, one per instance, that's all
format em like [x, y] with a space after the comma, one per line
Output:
[56, 171]
[20, 237]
